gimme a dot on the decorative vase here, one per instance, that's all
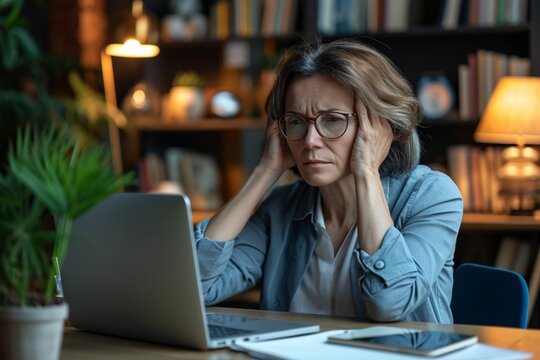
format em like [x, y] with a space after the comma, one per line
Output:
[142, 99]
[32, 333]
[186, 102]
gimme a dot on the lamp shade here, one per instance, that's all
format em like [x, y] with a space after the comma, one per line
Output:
[512, 115]
[132, 49]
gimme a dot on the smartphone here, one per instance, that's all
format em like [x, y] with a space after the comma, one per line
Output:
[416, 342]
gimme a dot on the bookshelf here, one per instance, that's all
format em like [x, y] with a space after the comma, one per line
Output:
[421, 46]
[418, 45]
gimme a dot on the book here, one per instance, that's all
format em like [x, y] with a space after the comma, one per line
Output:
[155, 169]
[372, 11]
[396, 15]
[487, 13]
[516, 12]
[458, 169]
[269, 14]
[474, 12]
[450, 16]
[463, 95]
[486, 176]
[506, 253]
[255, 16]
[473, 85]
[287, 20]
[475, 179]
[357, 16]
[325, 16]
[534, 282]
[173, 158]
[223, 22]
[521, 260]
[494, 161]
[195, 174]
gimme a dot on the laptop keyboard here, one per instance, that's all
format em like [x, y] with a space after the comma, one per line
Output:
[218, 331]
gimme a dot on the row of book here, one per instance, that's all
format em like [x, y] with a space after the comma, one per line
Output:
[353, 16]
[514, 254]
[521, 255]
[474, 170]
[337, 17]
[248, 18]
[456, 13]
[182, 171]
[477, 79]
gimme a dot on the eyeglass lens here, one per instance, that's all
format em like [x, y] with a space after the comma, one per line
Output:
[329, 125]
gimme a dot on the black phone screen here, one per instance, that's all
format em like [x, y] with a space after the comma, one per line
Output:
[421, 340]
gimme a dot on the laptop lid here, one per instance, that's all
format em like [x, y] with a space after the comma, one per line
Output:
[131, 270]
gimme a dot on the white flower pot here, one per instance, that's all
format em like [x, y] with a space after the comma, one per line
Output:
[32, 332]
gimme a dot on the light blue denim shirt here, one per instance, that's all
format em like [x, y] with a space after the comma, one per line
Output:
[409, 277]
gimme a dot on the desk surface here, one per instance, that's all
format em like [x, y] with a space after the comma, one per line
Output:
[81, 345]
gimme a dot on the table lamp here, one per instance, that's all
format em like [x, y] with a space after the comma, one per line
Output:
[137, 35]
[512, 116]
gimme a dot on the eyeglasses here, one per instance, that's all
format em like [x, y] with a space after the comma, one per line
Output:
[330, 125]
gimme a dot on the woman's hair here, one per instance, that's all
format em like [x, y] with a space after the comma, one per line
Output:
[371, 77]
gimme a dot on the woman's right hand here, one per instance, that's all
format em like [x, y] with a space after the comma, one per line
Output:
[233, 217]
[276, 156]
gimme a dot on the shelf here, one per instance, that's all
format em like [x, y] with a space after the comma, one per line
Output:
[151, 123]
[417, 31]
[215, 42]
[448, 122]
[498, 222]
[423, 31]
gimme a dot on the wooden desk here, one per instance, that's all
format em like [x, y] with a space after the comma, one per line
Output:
[81, 345]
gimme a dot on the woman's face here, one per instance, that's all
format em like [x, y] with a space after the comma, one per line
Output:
[321, 161]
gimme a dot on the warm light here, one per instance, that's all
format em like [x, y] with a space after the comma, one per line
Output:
[133, 49]
[132, 44]
[139, 99]
[512, 115]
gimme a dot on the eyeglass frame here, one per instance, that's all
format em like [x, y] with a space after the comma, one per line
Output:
[314, 119]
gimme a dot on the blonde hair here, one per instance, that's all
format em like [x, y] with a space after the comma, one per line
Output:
[371, 77]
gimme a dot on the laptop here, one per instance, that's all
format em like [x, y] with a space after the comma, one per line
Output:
[132, 271]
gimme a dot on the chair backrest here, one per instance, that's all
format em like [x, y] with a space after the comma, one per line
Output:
[485, 295]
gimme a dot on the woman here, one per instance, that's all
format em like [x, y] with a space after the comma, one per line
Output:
[366, 232]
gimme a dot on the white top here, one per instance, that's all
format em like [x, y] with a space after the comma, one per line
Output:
[326, 286]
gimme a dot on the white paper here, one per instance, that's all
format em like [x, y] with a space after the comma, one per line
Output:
[315, 347]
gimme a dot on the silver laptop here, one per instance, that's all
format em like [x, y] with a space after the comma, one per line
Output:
[132, 271]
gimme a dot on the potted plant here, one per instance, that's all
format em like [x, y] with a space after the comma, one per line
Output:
[52, 168]
[186, 97]
[49, 181]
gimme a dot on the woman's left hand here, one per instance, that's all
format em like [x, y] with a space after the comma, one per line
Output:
[373, 140]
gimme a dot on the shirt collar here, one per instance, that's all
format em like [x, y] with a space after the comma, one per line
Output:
[310, 199]
[307, 201]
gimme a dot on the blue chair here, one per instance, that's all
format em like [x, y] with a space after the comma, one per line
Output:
[485, 295]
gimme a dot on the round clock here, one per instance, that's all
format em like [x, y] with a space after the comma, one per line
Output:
[436, 94]
[225, 104]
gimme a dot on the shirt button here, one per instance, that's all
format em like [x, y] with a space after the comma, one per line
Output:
[379, 264]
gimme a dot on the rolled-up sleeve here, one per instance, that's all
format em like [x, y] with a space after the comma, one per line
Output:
[403, 272]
